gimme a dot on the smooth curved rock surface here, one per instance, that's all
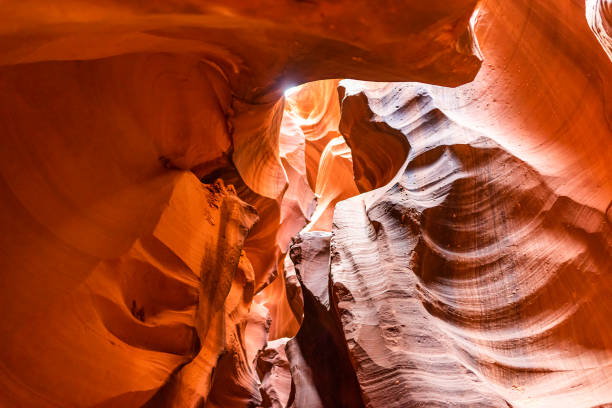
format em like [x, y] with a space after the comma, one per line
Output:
[599, 16]
[314, 107]
[335, 182]
[378, 150]
[241, 43]
[473, 254]
[545, 81]
[475, 273]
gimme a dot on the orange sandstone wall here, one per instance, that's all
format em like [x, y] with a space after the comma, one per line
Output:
[176, 233]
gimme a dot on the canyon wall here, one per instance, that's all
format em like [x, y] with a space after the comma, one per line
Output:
[179, 231]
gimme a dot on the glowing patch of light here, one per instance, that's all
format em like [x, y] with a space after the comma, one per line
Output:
[290, 90]
[474, 18]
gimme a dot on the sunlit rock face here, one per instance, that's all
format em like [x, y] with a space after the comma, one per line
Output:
[599, 16]
[492, 244]
[470, 281]
[181, 230]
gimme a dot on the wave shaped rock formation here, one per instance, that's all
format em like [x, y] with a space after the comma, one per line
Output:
[425, 222]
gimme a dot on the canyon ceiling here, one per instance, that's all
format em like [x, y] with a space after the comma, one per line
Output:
[425, 222]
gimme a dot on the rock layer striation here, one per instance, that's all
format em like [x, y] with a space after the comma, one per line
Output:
[180, 230]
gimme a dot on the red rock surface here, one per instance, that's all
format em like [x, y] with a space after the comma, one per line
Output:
[177, 233]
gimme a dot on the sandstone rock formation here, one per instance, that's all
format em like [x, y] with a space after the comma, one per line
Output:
[320, 364]
[180, 230]
[599, 16]
[458, 284]
[273, 369]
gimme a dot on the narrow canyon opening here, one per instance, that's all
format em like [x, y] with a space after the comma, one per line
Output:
[425, 221]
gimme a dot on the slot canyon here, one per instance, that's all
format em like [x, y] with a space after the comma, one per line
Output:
[306, 203]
